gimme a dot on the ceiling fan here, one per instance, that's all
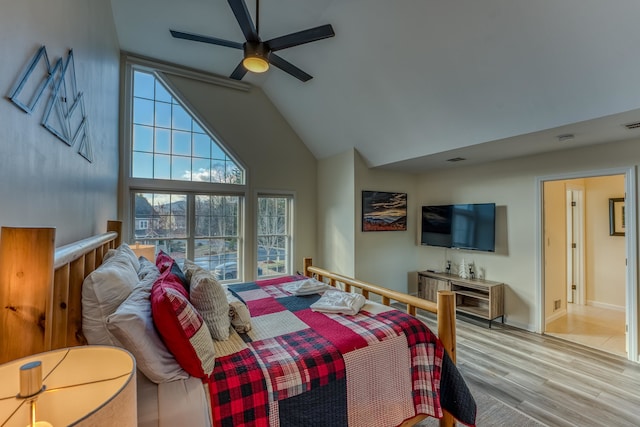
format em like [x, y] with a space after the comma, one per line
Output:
[259, 54]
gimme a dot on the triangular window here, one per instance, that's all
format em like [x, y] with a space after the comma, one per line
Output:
[169, 143]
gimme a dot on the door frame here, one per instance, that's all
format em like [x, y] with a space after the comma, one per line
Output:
[576, 219]
[631, 290]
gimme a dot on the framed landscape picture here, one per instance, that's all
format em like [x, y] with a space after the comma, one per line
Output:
[616, 217]
[382, 211]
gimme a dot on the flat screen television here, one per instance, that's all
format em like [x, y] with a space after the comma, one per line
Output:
[461, 226]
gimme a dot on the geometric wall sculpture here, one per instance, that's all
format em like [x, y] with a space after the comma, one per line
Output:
[65, 115]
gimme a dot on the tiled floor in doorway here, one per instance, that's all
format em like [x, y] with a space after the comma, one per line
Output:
[595, 327]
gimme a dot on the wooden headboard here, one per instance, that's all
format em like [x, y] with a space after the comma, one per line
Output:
[41, 288]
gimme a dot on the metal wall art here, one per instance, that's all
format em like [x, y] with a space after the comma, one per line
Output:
[64, 115]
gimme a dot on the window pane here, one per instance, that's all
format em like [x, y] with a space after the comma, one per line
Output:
[161, 93]
[142, 138]
[201, 145]
[142, 111]
[163, 141]
[162, 167]
[181, 119]
[181, 168]
[142, 165]
[143, 85]
[200, 171]
[163, 114]
[181, 143]
[217, 153]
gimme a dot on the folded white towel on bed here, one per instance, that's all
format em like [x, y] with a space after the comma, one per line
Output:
[306, 287]
[335, 301]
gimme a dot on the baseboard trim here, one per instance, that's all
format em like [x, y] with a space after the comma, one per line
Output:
[606, 305]
[558, 314]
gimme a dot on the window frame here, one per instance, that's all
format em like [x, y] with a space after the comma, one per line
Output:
[290, 206]
[129, 185]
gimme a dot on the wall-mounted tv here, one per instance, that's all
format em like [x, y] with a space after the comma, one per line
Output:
[461, 226]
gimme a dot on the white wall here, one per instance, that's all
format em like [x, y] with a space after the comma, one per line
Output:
[275, 158]
[387, 258]
[511, 185]
[44, 181]
[605, 254]
[336, 213]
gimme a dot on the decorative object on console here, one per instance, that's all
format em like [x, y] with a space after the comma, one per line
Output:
[383, 211]
[462, 270]
[84, 386]
[616, 217]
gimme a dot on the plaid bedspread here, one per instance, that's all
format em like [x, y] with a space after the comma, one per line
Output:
[297, 367]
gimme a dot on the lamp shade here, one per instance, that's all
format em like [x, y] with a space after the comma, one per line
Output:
[82, 386]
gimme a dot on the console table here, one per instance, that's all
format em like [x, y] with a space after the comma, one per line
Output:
[476, 297]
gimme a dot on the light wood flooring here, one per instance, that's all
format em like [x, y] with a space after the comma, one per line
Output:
[595, 327]
[556, 382]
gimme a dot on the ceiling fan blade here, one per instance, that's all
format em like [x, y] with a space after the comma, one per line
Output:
[239, 72]
[301, 37]
[288, 67]
[239, 8]
[205, 39]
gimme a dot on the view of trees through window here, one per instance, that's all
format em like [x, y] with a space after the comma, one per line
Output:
[162, 219]
[274, 237]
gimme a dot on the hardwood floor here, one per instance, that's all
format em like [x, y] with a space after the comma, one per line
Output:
[556, 382]
[595, 327]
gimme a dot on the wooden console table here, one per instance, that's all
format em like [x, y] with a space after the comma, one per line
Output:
[476, 297]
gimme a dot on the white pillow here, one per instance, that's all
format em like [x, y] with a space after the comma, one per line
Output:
[102, 292]
[132, 325]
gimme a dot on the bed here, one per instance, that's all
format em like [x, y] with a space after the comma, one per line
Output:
[380, 366]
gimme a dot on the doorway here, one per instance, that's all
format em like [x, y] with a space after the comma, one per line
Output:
[586, 282]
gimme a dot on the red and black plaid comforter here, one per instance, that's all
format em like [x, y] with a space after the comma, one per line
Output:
[298, 367]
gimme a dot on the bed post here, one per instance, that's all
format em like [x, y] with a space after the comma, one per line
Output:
[26, 279]
[114, 225]
[307, 263]
[447, 334]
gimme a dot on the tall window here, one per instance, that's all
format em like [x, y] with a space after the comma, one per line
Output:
[274, 235]
[169, 144]
[186, 192]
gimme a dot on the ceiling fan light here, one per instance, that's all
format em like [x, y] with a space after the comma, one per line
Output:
[255, 57]
[255, 64]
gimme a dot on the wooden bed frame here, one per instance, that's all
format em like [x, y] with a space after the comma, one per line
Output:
[41, 289]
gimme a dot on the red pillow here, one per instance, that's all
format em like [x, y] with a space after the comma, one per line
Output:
[165, 262]
[181, 326]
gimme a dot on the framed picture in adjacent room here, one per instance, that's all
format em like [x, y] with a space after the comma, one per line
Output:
[616, 217]
[383, 211]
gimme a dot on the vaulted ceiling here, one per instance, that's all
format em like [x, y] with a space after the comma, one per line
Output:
[412, 83]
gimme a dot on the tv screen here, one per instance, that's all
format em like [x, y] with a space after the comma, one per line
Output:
[462, 226]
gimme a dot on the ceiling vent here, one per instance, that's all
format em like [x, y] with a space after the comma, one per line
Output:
[566, 137]
[456, 159]
[635, 125]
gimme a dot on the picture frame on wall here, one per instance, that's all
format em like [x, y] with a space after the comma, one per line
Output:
[616, 217]
[384, 211]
